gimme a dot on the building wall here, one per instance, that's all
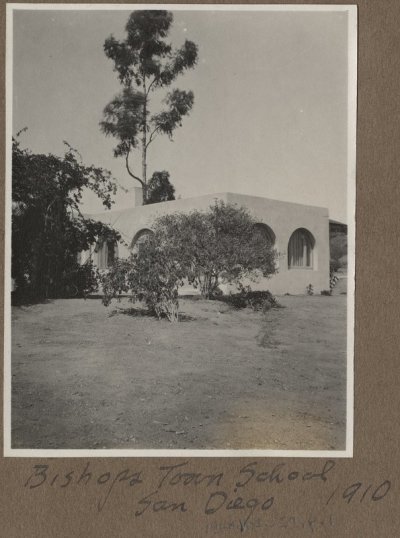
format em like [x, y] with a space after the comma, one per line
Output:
[282, 217]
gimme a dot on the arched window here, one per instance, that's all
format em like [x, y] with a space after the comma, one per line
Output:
[107, 252]
[140, 237]
[265, 232]
[300, 249]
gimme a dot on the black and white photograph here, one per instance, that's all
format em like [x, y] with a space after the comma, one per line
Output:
[180, 230]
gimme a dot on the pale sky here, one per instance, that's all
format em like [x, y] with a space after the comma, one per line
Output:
[270, 111]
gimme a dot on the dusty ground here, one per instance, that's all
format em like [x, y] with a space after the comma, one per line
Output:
[84, 376]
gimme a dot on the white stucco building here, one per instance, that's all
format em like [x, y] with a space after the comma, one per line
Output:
[300, 234]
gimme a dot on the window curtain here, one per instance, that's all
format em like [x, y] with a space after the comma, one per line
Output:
[300, 250]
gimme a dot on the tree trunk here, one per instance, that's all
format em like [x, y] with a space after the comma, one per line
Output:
[205, 286]
[208, 284]
[144, 143]
[144, 167]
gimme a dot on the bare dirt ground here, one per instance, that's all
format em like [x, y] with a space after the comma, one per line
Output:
[86, 376]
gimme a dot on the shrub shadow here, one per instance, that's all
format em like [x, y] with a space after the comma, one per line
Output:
[133, 312]
[25, 301]
[186, 317]
[138, 312]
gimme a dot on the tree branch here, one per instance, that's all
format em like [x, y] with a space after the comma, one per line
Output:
[80, 213]
[129, 170]
[150, 85]
[152, 137]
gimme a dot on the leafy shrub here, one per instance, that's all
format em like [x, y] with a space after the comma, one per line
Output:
[237, 300]
[257, 300]
[115, 281]
[326, 292]
[332, 276]
[48, 228]
[81, 280]
[332, 282]
[217, 245]
[149, 276]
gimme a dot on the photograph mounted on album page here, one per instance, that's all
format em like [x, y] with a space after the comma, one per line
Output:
[196, 341]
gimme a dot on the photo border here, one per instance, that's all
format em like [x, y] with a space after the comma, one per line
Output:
[351, 208]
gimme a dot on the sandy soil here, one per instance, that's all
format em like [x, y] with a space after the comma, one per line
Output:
[86, 376]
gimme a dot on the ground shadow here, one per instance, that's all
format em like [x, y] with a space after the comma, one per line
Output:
[186, 317]
[138, 312]
[135, 312]
[25, 301]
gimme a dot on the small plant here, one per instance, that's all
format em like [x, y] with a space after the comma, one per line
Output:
[310, 289]
[326, 292]
[333, 281]
[257, 300]
[236, 300]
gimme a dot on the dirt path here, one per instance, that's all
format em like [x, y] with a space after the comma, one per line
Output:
[84, 376]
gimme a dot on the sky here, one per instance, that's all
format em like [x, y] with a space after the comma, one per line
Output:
[270, 111]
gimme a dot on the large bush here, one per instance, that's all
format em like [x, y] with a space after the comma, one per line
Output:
[48, 229]
[150, 276]
[204, 248]
[220, 245]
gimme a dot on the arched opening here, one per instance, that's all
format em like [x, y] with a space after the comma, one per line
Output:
[301, 249]
[107, 252]
[265, 232]
[140, 237]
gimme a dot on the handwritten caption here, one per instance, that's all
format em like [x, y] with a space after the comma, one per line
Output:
[223, 492]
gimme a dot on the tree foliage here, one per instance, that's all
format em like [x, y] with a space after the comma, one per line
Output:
[338, 249]
[48, 228]
[160, 188]
[221, 245]
[146, 62]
